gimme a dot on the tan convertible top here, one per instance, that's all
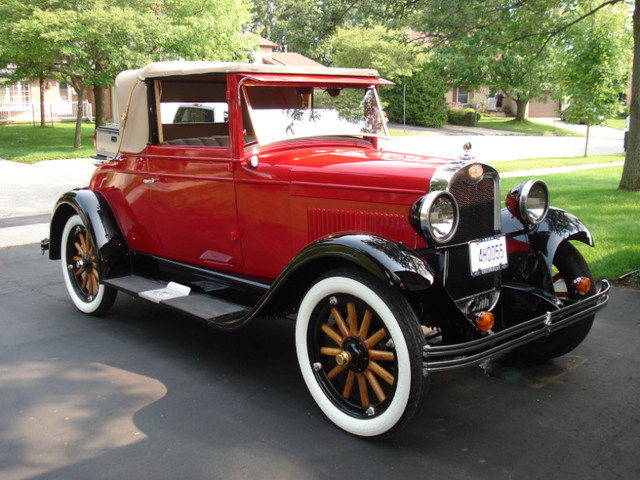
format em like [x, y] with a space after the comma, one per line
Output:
[169, 69]
[134, 131]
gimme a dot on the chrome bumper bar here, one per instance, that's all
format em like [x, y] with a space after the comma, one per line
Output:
[449, 357]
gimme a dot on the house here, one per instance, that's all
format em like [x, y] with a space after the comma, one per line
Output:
[463, 97]
[20, 101]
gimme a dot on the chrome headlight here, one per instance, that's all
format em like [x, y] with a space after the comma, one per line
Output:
[529, 202]
[435, 216]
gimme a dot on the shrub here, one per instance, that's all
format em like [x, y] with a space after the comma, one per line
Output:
[425, 104]
[466, 117]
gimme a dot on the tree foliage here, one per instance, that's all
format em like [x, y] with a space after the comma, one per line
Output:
[398, 58]
[522, 33]
[88, 42]
[391, 52]
[209, 30]
[502, 43]
[303, 25]
[594, 66]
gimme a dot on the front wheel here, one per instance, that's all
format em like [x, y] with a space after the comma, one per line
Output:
[568, 265]
[359, 347]
[80, 261]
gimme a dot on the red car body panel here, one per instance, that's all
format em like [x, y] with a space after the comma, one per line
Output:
[299, 192]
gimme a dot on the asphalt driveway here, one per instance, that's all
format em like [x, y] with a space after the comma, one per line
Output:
[146, 393]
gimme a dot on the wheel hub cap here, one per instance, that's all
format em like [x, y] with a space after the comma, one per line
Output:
[87, 263]
[357, 354]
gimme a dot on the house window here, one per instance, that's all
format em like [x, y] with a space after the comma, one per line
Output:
[463, 96]
[16, 94]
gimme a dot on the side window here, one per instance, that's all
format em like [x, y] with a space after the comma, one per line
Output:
[192, 112]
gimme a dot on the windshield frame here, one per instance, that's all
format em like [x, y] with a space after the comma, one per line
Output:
[352, 83]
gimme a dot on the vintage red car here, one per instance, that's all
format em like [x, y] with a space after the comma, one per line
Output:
[271, 197]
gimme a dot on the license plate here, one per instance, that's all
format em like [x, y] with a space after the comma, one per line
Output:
[488, 255]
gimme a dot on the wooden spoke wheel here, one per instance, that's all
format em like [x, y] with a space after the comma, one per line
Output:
[568, 264]
[81, 270]
[359, 347]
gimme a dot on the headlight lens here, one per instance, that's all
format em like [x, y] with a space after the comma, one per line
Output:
[529, 202]
[435, 216]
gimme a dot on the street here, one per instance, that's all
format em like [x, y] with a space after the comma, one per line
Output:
[147, 393]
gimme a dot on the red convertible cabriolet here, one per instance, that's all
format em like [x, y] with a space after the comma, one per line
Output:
[272, 198]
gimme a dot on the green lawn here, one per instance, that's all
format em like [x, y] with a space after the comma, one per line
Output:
[26, 144]
[613, 216]
[619, 123]
[533, 163]
[527, 127]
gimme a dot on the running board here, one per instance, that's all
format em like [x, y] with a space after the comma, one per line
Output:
[179, 297]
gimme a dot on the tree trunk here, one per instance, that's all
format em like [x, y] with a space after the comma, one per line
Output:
[77, 143]
[521, 106]
[631, 172]
[98, 93]
[586, 142]
[43, 120]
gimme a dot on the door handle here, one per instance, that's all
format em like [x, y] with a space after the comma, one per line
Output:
[149, 181]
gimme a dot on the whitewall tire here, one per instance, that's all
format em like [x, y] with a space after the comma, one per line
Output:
[80, 261]
[359, 347]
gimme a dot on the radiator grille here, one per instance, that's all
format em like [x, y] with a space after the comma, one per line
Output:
[477, 209]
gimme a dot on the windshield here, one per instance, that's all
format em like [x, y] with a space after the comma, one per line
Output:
[284, 112]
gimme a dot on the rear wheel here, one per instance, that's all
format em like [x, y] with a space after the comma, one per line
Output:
[568, 264]
[359, 347]
[80, 261]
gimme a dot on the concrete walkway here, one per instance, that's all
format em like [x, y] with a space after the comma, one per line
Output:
[29, 192]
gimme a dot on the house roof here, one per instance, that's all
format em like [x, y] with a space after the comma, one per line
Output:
[290, 58]
[263, 42]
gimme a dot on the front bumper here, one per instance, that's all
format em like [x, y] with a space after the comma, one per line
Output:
[449, 357]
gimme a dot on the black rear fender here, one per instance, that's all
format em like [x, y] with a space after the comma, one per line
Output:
[97, 215]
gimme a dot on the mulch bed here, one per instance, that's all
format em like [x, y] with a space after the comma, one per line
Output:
[629, 280]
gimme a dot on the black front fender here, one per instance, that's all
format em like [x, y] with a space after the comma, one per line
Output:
[558, 226]
[389, 261]
[97, 215]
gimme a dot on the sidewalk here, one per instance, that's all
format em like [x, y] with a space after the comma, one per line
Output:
[29, 192]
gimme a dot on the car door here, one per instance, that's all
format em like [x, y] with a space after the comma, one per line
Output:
[191, 175]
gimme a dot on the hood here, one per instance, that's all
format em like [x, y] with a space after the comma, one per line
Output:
[358, 169]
